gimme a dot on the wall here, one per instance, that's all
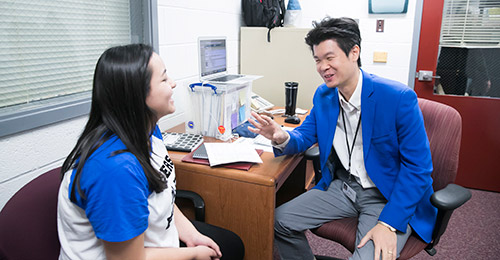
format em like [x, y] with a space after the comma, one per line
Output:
[396, 39]
[28, 154]
[180, 25]
[286, 58]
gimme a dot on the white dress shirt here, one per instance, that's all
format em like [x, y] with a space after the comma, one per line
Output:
[352, 113]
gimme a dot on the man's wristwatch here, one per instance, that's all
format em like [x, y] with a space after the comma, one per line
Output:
[387, 226]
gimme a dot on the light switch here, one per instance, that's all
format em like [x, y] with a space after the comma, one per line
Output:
[380, 56]
[380, 26]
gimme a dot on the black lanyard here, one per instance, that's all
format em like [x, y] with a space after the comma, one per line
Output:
[349, 149]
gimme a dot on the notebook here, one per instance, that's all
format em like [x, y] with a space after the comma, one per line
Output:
[200, 153]
[213, 60]
[240, 166]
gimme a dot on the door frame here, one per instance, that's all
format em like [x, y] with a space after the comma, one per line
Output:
[480, 148]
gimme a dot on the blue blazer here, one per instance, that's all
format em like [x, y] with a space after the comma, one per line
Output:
[395, 148]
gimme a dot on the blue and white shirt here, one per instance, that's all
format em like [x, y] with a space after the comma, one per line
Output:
[119, 204]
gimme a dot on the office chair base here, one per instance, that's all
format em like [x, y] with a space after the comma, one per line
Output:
[431, 251]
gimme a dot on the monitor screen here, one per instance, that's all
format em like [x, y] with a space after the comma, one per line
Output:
[212, 56]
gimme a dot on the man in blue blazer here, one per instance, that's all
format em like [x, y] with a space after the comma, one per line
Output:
[374, 153]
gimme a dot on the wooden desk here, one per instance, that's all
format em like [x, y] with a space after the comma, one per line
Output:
[244, 201]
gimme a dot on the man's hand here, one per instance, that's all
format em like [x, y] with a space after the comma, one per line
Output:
[384, 241]
[268, 128]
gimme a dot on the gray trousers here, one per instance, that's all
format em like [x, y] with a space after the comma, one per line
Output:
[315, 207]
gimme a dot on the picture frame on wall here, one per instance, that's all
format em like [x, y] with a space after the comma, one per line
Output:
[387, 6]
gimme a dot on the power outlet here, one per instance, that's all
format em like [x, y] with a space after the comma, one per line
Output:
[380, 26]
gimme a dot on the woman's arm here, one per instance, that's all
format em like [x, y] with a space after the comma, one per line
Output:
[134, 249]
[189, 235]
[198, 246]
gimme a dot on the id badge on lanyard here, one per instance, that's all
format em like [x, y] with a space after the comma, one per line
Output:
[349, 192]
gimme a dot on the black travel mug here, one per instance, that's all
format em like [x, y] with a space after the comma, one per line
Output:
[291, 89]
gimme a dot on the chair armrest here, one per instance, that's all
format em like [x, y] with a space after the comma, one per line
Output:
[450, 197]
[312, 153]
[198, 202]
[446, 201]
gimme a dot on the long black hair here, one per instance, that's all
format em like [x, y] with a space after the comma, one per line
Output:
[120, 87]
[344, 31]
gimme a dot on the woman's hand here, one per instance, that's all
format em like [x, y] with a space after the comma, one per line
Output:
[193, 238]
[268, 128]
[134, 249]
[206, 253]
[200, 240]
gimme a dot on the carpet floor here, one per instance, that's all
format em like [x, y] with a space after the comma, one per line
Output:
[473, 233]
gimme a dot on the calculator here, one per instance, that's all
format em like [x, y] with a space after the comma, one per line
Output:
[182, 142]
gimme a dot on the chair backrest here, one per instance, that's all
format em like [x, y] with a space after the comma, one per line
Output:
[444, 130]
[28, 222]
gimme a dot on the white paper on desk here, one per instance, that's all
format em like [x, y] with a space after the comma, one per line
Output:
[250, 141]
[223, 153]
[299, 111]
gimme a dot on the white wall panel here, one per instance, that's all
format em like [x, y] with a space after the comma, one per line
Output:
[180, 22]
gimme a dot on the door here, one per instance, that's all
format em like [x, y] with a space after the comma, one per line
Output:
[479, 165]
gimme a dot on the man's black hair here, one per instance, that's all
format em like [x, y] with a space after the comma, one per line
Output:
[344, 31]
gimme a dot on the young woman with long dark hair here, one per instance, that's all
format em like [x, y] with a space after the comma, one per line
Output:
[117, 196]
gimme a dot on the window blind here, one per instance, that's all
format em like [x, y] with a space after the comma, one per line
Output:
[49, 48]
[471, 23]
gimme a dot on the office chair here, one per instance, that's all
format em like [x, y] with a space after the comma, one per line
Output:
[444, 129]
[28, 222]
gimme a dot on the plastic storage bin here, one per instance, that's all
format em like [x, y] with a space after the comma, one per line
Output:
[216, 109]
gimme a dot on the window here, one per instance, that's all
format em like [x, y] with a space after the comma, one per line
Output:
[48, 52]
[471, 23]
[469, 55]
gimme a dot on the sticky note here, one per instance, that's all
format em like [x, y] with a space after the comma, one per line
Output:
[242, 113]
[234, 120]
[243, 98]
[380, 56]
